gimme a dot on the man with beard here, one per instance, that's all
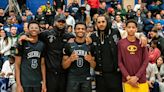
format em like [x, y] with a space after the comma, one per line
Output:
[54, 42]
[108, 75]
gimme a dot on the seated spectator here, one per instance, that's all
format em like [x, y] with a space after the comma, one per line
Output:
[94, 6]
[160, 73]
[102, 9]
[81, 16]
[7, 25]
[130, 12]
[158, 19]
[5, 45]
[87, 6]
[143, 10]
[121, 11]
[14, 37]
[117, 23]
[151, 79]
[90, 29]
[1, 17]
[73, 8]
[17, 25]
[111, 14]
[59, 4]
[154, 6]
[8, 71]
[162, 6]
[154, 36]
[69, 19]
[40, 16]
[114, 3]
[148, 22]
[159, 29]
[29, 15]
[154, 52]
[49, 12]
[162, 14]
[137, 6]
[139, 20]
[69, 29]
[42, 25]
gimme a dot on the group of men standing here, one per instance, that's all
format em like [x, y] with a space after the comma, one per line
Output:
[68, 62]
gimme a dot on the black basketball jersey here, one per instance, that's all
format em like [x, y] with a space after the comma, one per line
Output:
[30, 68]
[80, 67]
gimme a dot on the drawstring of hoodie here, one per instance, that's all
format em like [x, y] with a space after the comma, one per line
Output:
[102, 36]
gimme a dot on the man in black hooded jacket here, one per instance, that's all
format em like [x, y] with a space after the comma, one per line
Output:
[108, 75]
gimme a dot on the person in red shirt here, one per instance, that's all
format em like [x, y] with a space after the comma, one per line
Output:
[132, 61]
[154, 52]
[94, 6]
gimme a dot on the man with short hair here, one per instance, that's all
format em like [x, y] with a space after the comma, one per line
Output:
[78, 60]
[105, 39]
[30, 65]
[132, 61]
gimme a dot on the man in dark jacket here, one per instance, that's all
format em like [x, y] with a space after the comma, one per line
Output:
[108, 75]
[155, 36]
[54, 42]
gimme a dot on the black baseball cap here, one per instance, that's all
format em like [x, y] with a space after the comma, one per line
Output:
[60, 17]
[66, 10]
[48, 2]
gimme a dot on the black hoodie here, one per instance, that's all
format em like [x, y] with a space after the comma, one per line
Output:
[106, 52]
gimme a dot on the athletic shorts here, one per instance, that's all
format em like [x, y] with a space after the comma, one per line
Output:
[32, 89]
[143, 87]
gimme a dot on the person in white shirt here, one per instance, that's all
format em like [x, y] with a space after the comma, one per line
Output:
[69, 19]
[5, 45]
[8, 71]
[137, 6]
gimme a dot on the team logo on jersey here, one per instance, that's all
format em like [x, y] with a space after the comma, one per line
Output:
[51, 38]
[27, 48]
[33, 54]
[34, 63]
[132, 49]
[81, 52]
[80, 62]
[72, 47]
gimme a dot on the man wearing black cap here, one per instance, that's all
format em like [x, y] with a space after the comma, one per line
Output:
[82, 16]
[49, 12]
[42, 25]
[54, 40]
[69, 19]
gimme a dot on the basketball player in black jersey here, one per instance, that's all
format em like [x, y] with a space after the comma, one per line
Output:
[30, 64]
[78, 60]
